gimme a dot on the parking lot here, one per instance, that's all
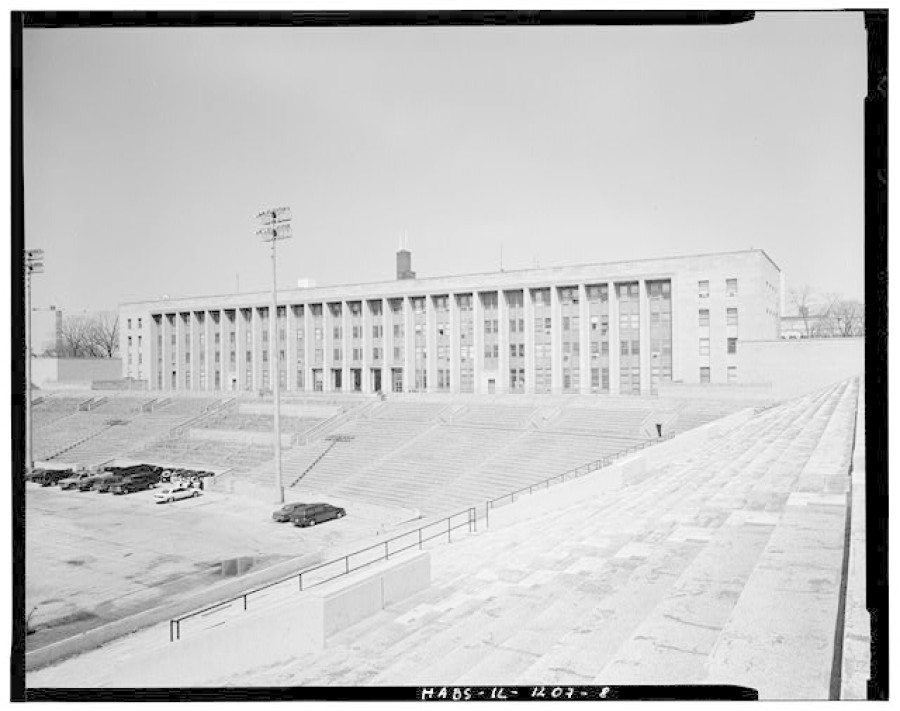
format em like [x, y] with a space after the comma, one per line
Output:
[92, 558]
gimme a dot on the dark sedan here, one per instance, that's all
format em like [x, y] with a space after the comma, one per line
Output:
[283, 515]
[311, 514]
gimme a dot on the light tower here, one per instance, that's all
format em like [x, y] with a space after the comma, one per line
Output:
[275, 225]
[33, 265]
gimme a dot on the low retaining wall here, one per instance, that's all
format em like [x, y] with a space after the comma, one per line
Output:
[98, 636]
[286, 629]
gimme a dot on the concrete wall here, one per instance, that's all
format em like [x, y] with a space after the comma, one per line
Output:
[73, 372]
[796, 367]
[300, 623]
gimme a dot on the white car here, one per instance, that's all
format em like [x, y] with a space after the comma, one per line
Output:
[173, 493]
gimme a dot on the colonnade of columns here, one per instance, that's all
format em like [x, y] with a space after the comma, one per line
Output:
[199, 356]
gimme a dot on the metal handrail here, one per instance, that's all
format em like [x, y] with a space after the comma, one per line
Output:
[573, 473]
[471, 522]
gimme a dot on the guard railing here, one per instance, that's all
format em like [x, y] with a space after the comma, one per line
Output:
[346, 564]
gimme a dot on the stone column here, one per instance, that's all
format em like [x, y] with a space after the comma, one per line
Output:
[180, 365]
[309, 346]
[388, 360]
[555, 342]
[614, 345]
[194, 341]
[328, 324]
[224, 358]
[455, 343]
[430, 344]
[503, 339]
[528, 308]
[584, 340]
[257, 331]
[240, 347]
[368, 342]
[290, 347]
[166, 330]
[479, 387]
[644, 303]
[346, 347]
[409, 345]
[209, 349]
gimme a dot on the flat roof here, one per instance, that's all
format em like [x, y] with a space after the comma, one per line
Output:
[475, 275]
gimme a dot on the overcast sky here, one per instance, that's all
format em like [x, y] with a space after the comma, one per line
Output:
[148, 152]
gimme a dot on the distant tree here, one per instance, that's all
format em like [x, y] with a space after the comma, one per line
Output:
[75, 337]
[104, 335]
[827, 315]
[849, 318]
[89, 336]
[802, 299]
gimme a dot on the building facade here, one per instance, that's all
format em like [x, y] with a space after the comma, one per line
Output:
[616, 328]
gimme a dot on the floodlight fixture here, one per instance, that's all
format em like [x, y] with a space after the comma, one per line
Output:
[275, 225]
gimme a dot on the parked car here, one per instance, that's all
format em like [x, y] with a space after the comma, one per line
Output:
[173, 493]
[73, 481]
[51, 478]
[35, 475]
[283, 515]
[105, 486]
[93, 483]
[312, 514]
[131, 484]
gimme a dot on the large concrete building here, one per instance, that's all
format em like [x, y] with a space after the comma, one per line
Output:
[616, 328]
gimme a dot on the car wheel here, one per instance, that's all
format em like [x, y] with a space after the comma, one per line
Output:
[195, 494]
[170, 500]
[312, 523]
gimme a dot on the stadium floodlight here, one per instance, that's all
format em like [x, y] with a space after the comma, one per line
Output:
[32, 266]
[275, 232]
[274, 216]
[275, 225]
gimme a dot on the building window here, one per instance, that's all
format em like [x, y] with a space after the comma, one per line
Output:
[731, 287]
[704, 346]
[732, 317]
[732, 345]
[703, 288]
[704, 317]
[704, 375]
[139, 322]
[732, 374]
[129, 324]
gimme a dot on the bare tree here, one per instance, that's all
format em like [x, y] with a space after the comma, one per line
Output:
[802, 299]
[848, 316]
[825, 324]
[104, 335]
[75, 337]
[89, 336]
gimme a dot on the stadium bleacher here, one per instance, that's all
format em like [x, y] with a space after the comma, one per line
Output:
[721, 566]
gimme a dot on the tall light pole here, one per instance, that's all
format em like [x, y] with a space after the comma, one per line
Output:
[275, 224]
[33, 265]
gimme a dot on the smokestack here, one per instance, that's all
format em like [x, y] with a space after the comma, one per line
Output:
[404, 264]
